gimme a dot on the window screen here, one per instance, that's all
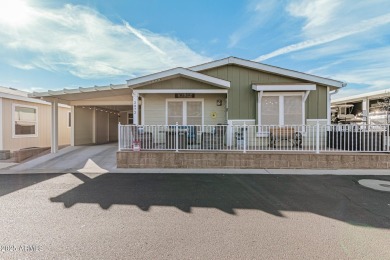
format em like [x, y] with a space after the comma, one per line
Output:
[194, 112]
[175, 113]
[270, 110]
[292, 110]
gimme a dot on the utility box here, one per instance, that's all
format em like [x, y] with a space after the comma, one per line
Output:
[5, 154]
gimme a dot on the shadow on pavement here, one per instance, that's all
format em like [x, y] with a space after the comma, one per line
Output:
[13, 182]
[336, 197]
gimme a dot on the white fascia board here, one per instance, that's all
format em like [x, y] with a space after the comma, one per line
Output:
[210, 65]
[30, 100]
[170, 91]
[71, 91]
[177, 72]
[293, 87]
[100, 103]
[87, 90]
[359, 97]
[56, 92]
[26, 99]
[271, 69]
[119, 86]
[38, 94]
[65, 91]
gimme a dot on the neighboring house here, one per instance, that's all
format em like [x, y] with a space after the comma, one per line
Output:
[226, 91]
[25, 122]
[371, 107]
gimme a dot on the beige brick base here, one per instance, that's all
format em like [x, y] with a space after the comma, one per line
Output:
[230, 160]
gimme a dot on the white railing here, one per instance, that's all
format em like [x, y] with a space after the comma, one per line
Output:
[295, 138]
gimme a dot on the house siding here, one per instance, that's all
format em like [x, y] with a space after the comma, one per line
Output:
[83, 126]
[155, 108]
[243, 100]
[44, 126]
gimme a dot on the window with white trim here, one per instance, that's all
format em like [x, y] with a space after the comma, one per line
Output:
[185, 112]
[25, 121]
[281, 108]
[69, 119]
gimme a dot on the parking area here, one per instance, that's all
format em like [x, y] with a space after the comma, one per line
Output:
[187, 216]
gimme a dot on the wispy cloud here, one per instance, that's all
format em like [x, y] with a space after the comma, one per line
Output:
[258, 13]
[143, 38]
[344, 32]
[365, 72]
[85, 43]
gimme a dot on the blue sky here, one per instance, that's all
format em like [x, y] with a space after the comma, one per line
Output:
[47, 44]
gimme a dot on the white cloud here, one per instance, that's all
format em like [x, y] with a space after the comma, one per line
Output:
[336, 35]
[317, 13]
[85, 43]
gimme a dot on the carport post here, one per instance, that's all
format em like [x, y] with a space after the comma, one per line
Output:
[54, 126]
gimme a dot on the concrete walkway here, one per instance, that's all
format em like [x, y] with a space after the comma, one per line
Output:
[102, 159]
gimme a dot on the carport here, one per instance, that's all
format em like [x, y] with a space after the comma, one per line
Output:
[95, 112]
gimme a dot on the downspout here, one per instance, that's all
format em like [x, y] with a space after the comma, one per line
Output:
[331, 93]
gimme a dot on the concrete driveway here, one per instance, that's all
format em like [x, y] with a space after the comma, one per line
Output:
[101, 158]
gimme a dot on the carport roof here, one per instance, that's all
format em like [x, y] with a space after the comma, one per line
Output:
[79, 93]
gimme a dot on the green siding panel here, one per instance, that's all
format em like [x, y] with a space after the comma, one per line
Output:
[322, 102]
[316, 103]
[178, 83]
[243, 100]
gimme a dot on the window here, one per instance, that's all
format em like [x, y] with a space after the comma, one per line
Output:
[185, 112]
[69, 119]
[130, 118]
[281, 108]
[25, 121]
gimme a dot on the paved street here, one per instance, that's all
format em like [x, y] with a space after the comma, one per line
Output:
[193, 216]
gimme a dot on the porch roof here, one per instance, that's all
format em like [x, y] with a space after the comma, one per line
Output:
[177, 72]
[76, 94]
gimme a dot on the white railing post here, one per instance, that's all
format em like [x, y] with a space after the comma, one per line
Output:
[318, 137]
[388, 135]
[244, 137]
[177, 137]
[119, 136]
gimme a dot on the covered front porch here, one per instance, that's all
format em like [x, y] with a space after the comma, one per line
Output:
[246, 136]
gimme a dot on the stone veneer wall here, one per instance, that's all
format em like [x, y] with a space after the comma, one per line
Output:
[230, 160]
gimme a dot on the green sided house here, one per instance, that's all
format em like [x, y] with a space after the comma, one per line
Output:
[230, 91]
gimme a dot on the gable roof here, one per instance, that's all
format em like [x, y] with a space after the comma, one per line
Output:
[270, 69]
[177, 72]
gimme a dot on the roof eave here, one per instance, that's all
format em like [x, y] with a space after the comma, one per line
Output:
[164, 75]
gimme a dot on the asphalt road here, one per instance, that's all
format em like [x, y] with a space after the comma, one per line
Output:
[189, 216]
